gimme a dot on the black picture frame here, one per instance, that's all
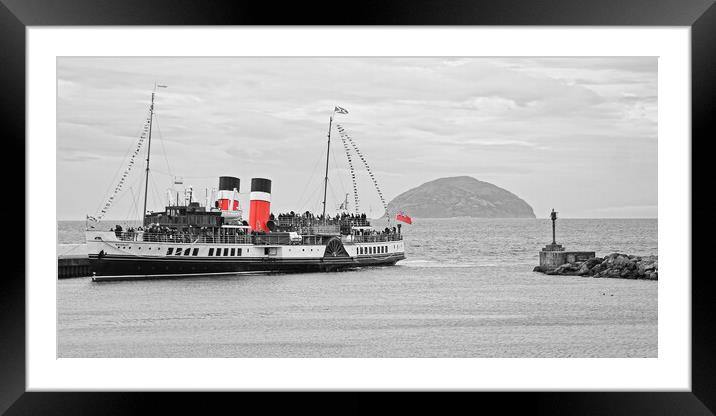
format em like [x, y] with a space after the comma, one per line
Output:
[16, 15]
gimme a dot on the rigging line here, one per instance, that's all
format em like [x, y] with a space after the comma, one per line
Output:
[308, 200]
[120, 197]
[303, 193]
[337, 174]
[304, 203]
[134, 207]
[127, 171]
[170, 182]
[333, 193]
[155, 192]
[119, 167]
[142, 184]
[352, 168]
[161, 140]
[336, 169]
[154, 170]
[370, 173]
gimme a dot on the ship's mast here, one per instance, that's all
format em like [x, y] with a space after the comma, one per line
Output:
[149, 146]
[328, 153]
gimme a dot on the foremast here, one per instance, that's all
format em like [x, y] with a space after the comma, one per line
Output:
[328, 153]
[149, 148]
[339, 110]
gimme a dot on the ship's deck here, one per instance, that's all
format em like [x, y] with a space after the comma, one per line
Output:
[278, 238]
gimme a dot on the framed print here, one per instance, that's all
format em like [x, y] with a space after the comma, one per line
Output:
[464, 197]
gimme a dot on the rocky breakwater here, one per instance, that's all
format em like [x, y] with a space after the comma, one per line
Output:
[615, 265]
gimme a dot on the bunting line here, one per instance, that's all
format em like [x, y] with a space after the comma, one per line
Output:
[350, 140]
[125, 174]
[341, 132]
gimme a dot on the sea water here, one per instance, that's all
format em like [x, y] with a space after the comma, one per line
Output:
[466, 289]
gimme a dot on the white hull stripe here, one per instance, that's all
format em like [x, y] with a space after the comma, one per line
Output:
[260, 196]
[167, 276]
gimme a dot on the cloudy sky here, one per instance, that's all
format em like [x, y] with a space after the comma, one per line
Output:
[576, 134]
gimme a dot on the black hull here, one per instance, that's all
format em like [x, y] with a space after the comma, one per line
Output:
[134, 268]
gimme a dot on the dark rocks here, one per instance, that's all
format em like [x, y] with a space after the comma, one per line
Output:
[614, 265]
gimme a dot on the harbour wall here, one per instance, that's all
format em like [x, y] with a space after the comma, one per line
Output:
[615, 265]
[73, 266]
[553, 259]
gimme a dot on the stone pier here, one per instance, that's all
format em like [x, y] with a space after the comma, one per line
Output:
[554, 255]
[73, 266]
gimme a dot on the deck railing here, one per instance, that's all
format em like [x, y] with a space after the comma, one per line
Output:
[182, 238]
[261, 239]
[377, 238]
[296, 221]
[310, 235]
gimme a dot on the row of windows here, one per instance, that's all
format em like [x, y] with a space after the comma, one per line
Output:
[186, 251]
[226, 252]
[373, 250]
[212, 251]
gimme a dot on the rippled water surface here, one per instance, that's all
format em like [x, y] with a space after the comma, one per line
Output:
[466, 290]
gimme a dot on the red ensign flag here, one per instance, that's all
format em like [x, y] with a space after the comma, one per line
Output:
[404, 217]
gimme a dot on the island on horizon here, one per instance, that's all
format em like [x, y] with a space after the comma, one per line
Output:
[460, 196]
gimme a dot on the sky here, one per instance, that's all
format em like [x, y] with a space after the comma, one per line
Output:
[575, 134]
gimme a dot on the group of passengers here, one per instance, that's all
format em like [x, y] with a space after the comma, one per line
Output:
[161, 233]
[309, 218]
[387, 234]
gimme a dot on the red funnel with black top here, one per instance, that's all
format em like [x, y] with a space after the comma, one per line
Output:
[228, 195]
[260, 204]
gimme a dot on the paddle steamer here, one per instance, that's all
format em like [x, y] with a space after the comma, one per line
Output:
[191, 239]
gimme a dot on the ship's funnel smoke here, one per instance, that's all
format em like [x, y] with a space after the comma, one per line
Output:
[260, 204]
